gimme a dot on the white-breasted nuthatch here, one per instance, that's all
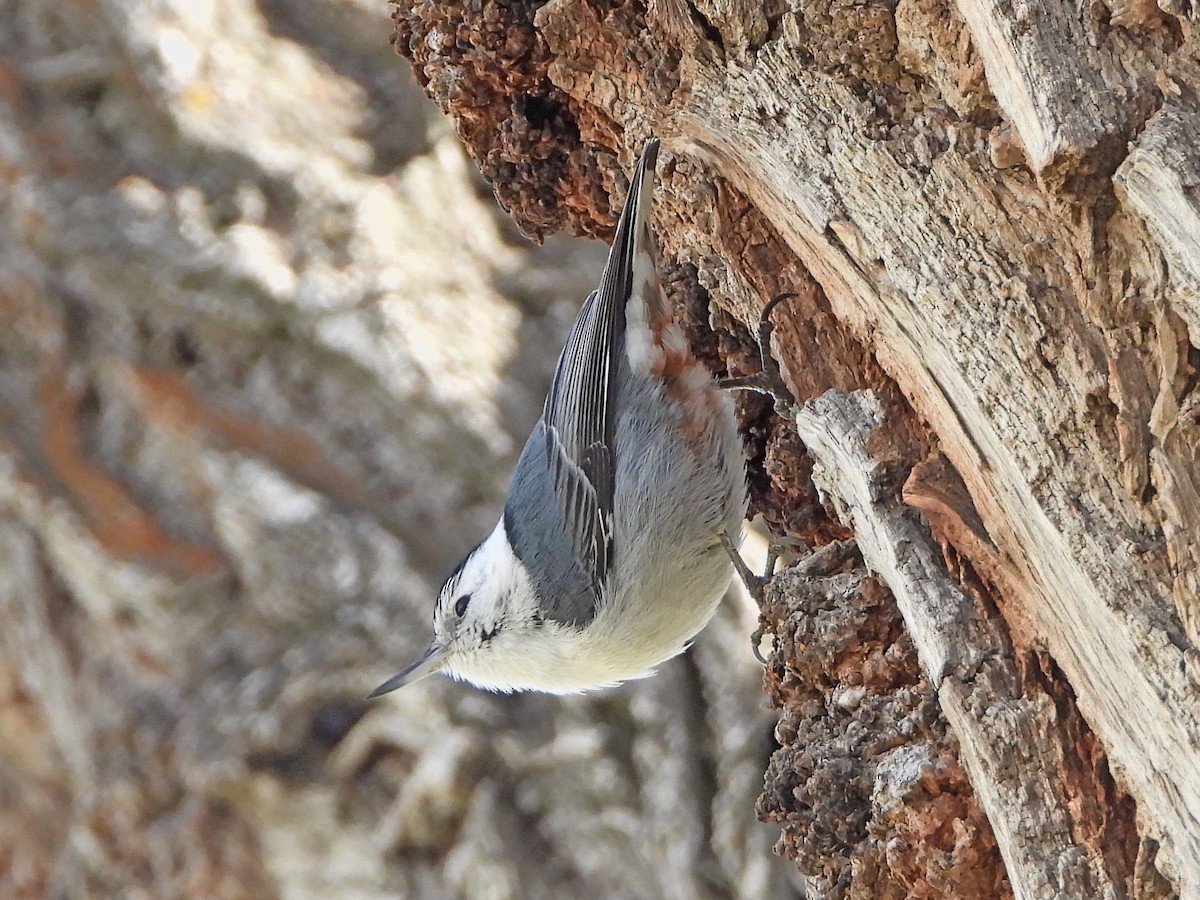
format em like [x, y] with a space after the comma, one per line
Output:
[609, 556]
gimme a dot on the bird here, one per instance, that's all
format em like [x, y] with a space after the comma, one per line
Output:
[613, 549]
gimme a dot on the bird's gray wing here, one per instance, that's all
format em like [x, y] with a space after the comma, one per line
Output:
[579, 423]
[579, 418]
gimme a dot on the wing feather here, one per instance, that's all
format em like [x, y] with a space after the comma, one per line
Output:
[580, 412]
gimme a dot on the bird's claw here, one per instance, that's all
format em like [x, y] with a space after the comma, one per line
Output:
[769, 378]
[756, 585]
[756, 645]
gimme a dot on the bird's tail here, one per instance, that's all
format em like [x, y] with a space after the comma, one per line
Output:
[631, 259]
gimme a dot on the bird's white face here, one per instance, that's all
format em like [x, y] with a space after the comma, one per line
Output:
[476, 602]
[481, 607]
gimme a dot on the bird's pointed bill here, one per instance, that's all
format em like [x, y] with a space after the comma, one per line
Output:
[426, 665]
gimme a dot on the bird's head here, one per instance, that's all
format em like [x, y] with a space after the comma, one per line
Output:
[488, 595]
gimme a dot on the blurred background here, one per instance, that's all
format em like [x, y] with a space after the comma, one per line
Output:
[267, 353]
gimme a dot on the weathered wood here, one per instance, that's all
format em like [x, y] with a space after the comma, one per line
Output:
[1055, 97]
[1007, 740]
[1160, 182]
[970, 337]
[867, 782]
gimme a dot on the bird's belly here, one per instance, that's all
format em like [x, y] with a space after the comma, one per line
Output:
[615, 647]
[640, 627]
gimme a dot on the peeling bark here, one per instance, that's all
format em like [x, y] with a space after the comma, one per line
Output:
[1010, 734]
[866, 784]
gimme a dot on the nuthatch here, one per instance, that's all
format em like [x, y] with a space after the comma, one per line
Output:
[611, 552]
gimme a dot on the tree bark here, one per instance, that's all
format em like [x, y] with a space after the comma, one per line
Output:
[989, 213]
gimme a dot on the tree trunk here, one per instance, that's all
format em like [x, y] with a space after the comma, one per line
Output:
[990, 214]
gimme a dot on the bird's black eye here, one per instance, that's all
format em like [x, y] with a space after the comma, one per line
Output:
[460, 605]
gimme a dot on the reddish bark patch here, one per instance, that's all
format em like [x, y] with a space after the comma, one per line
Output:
[164, 396]
[117, 521]
[485, 65]
[866, 782]
[1103, 816]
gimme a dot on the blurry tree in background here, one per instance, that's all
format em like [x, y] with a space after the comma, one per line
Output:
[267, 351]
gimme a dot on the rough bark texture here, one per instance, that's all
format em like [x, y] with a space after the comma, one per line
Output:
[867, 783]
[990, 214]
[267, 351]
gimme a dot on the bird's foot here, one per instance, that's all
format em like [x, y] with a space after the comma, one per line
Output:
[756, 585]
[769, 378]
